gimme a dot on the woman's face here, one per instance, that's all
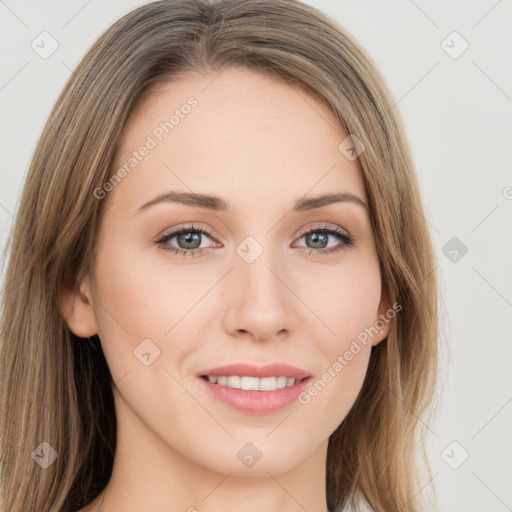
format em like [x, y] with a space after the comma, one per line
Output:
[263, 282]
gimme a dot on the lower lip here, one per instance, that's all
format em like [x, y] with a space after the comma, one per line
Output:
[256, 402]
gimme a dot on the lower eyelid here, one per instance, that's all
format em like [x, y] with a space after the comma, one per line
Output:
[344, 238]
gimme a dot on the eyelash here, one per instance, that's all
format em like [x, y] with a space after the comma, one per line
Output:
[348, 240]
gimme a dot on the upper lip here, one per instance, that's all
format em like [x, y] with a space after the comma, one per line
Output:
[271, 370]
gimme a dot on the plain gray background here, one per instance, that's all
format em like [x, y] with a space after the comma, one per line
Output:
[457, 108]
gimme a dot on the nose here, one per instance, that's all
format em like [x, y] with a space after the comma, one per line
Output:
[260, 302]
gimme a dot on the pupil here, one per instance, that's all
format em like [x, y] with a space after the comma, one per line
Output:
[190, 238]
[318, 239]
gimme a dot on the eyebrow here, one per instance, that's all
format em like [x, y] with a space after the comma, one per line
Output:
[217, 204]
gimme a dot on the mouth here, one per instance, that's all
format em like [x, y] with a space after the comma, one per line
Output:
[249, 383]
[255, 390]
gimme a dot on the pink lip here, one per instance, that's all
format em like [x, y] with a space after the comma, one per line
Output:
[257, 402]
[271, 370]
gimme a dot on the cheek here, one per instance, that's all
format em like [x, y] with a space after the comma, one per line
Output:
[332, 392]
[129, 306]
[141, 320]
[346, 302]
[139, 299]
[137, 295]
[331, 395]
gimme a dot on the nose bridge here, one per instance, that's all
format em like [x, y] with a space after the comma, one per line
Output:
[255, 270]
[261, 302]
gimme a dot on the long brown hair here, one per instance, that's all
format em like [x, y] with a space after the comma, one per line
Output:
[57, 389]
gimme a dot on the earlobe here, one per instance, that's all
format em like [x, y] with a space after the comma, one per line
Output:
[382, 321]
[76, 306]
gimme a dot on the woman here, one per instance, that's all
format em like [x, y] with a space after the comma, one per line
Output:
[220, 288]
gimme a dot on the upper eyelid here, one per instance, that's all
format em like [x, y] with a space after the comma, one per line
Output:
[176, 231]
[324, 226]
[302, 232]
[346, 239]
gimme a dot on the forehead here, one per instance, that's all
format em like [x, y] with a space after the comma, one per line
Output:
[239, 132]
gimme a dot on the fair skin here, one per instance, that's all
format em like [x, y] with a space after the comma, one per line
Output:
[261, 145]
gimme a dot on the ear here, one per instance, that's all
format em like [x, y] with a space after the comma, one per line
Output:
[382, 320]
[76, 305]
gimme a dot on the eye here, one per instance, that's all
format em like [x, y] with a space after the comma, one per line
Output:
[318, 237]
[188, 237]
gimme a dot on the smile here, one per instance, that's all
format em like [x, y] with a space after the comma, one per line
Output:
[252, 383]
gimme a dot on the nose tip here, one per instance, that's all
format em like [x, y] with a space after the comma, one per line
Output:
[261, 305]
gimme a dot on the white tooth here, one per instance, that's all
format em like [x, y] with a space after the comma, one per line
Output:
[233, 381]
[267, 384]
[250, 383]
[253, 383]
[281, 382]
